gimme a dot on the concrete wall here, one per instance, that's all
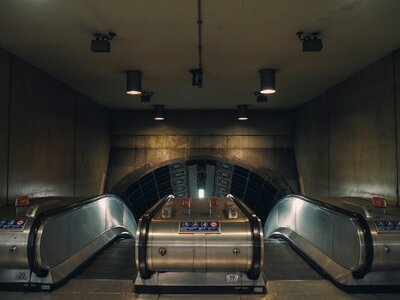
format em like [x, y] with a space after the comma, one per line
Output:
[346, 141]
[54, 141]
[4, 105]
[264, 143]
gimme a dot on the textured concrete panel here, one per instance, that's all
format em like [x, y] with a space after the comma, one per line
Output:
[92, 147]
[279, 162]
[202, 141]
[203, 122]
[362, 134]
[264, 143]
[311, 147]
[4, 101]
[397, 96]
[42, 134]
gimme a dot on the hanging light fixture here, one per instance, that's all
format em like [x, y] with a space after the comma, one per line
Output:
[267, 81]
[133, 82]
[159, 112]
[242, 112]
[197, 74]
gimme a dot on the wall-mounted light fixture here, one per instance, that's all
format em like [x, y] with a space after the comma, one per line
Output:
[102, 43]
[311, 43]
[261, 97]
[146, 96]
[159, 112]
[133, 82]
[242, 112]
[267, 81]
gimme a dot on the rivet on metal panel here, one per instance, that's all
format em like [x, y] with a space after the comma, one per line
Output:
[236, 251]
[162, 251]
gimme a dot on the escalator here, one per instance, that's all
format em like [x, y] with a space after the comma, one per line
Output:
[351, 242]
[47, 243]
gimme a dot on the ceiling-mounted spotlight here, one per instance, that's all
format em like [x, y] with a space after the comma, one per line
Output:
[242, 112]
[101, 43]
[261, 97]
[146, 96]
[133, 82]
[311, 43]
[267, 81]
[197, 77]
[159, 112]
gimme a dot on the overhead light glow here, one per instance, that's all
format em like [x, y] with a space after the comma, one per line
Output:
[267, 91]
[201, 193]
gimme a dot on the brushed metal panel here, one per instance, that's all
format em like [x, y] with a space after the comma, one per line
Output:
[347, 245]
[315, 225]
[199, 252]
[83, 227]
[333, 234]
[54, 244]
[63, 235]
[14, 259]
[180, 248]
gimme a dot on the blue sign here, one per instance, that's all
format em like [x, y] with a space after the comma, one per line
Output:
[387, 226]
[12, 224]
[200, 227]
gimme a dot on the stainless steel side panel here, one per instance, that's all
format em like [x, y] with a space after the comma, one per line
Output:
[229, 250]
[61, 236]
[199, 252]
[13, 248]
[337, 236]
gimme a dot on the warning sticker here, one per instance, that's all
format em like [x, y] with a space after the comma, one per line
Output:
[199, 227]
[12, 224]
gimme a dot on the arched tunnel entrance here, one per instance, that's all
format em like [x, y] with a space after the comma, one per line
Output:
[184, 178]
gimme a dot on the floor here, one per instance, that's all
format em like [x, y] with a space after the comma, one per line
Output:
[108, 277]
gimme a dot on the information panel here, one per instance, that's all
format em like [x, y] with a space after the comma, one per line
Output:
[12, 224]
[387, 226]
[199, 227]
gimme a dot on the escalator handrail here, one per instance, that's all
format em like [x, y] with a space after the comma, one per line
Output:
[46, 214]
[256, 231]
[359, 219]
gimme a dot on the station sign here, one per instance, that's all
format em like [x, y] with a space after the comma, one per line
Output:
[12, 224]
[199, 227]
[387, 226]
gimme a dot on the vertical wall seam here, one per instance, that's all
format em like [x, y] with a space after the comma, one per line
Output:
[74, 159]
[395, 127]
[328, 115]
[9, 129]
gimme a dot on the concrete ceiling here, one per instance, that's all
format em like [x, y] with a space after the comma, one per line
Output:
[239, 38]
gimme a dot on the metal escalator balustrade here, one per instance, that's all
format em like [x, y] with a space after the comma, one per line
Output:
[342, 241]
[57, 238]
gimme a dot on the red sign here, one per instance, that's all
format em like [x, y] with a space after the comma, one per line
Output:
[22, 201]
[213, 202]
[379, 202]
[186, 202]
